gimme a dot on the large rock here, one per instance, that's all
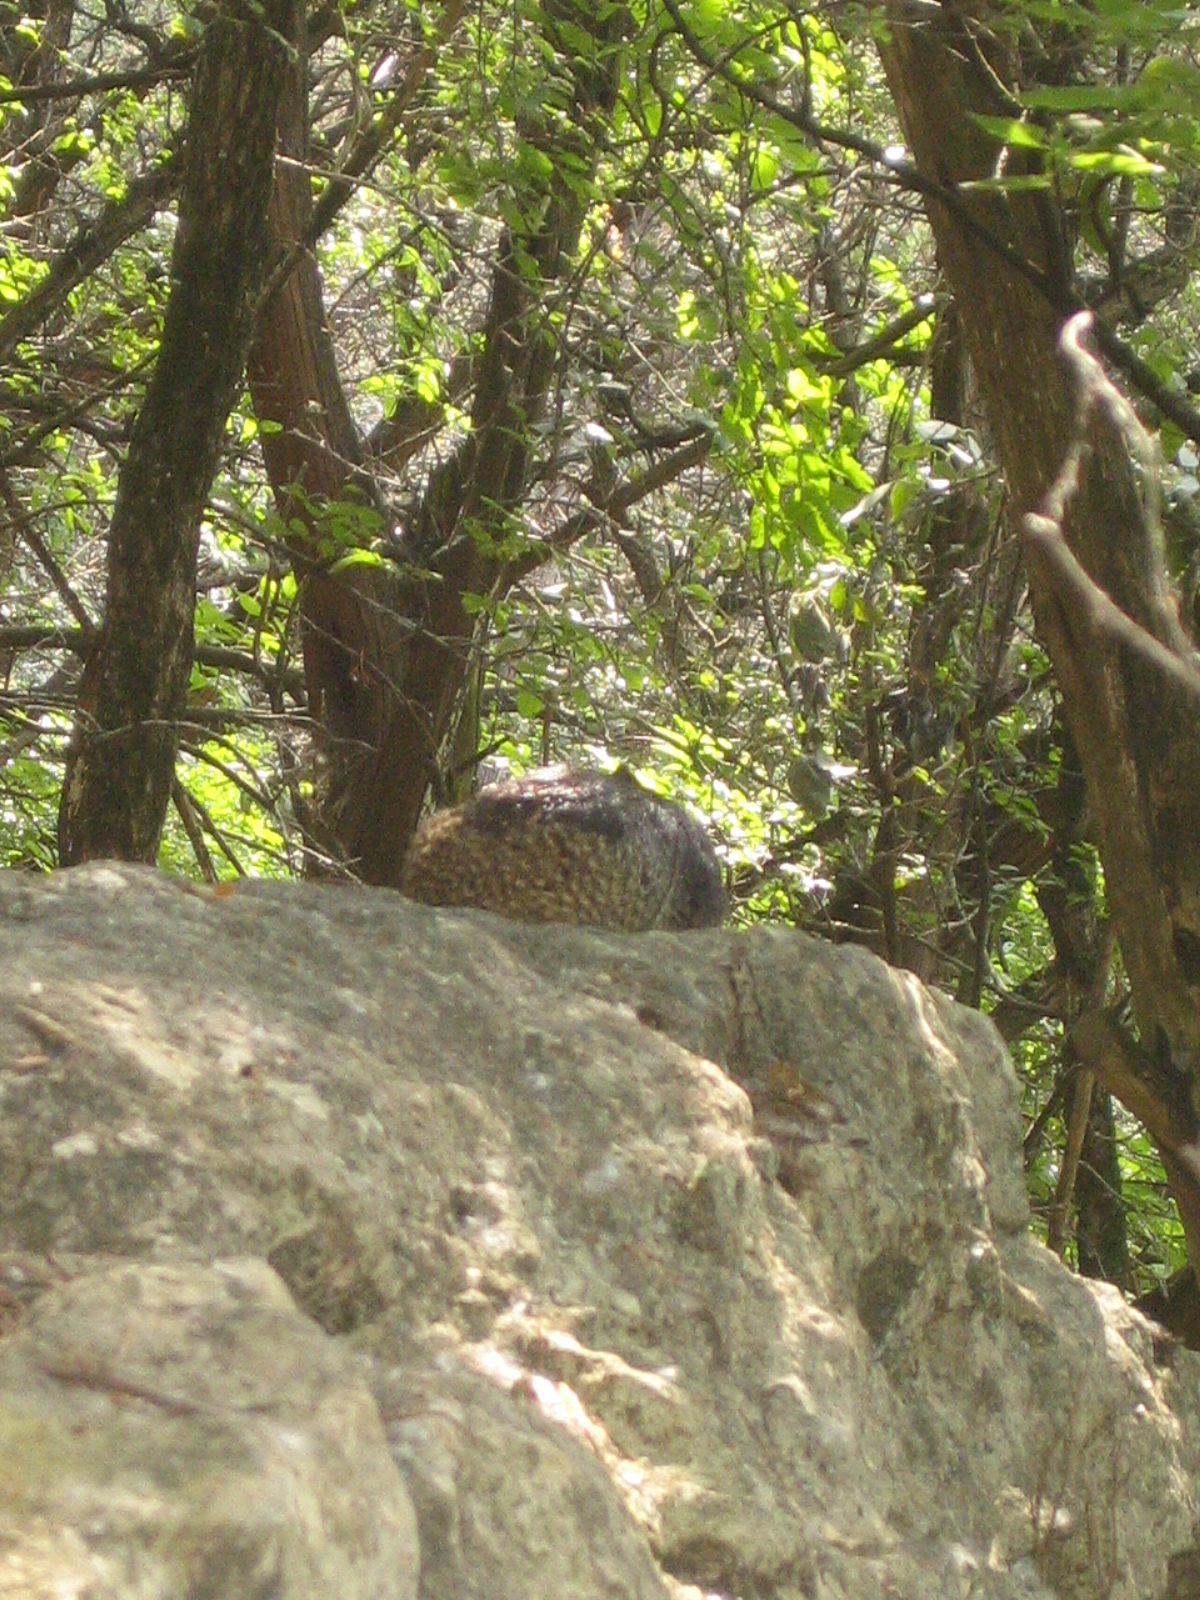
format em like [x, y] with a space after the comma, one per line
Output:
[622, 1335]
[172, 1431]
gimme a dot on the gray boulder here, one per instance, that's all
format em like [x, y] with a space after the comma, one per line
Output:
[631, 1266]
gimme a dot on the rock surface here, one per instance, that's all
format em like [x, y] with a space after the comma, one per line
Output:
[319, 1210]
[174, 1431]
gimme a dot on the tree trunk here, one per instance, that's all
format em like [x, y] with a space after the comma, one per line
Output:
[1126, 696]
[122, 758]
[386, 650]
[1100, 1233]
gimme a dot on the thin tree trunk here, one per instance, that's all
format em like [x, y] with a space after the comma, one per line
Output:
[122, 758]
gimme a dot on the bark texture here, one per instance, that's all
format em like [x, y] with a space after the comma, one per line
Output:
[121, 762]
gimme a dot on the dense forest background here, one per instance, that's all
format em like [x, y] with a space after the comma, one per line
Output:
[395, 393]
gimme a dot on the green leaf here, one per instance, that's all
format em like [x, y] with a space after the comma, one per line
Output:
[1012, 130]
[357, 558]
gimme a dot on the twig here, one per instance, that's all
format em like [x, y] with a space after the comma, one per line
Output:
[882, 345]
[199, 753]
[22, 521]
[85, 1376]
[776, 639]
[205, 817]
[1081, 1107]
[191, 826]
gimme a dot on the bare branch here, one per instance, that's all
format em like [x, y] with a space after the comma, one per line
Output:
[882, 345]
[191, 826]
[178, 66]
[1079, 598]
[89, 249]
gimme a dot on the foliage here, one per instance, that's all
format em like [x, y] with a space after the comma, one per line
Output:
[813, 628]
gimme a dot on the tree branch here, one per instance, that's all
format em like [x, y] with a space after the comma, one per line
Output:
[178, 66]
[90, 248]
[954, 198]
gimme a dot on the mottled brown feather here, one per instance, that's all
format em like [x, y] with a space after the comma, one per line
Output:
[570, 846]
